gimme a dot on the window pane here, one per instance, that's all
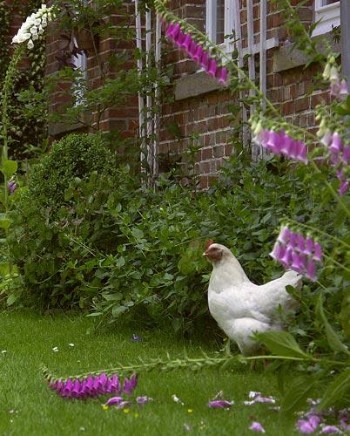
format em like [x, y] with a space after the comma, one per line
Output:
[328, 2]
[220, 33]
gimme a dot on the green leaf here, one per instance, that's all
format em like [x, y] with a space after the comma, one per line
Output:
[5, 268]
[333, 339]
[298, 392]
[118, 310]
[9, 167]
[120, 262]
[11, 299]
[281, 344]
[4, 221]
[137, 233]
[336, 390]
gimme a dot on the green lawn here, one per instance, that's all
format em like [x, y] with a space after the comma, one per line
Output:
[28, 407]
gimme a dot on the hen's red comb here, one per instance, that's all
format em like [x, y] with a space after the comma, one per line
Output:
[208, 243]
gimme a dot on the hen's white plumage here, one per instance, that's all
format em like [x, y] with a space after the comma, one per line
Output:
[242, 308]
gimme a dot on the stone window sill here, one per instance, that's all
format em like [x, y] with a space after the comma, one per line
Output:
[286, 58]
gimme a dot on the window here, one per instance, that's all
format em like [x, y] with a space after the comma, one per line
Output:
[79, 60]
[220, 21]
[327, 14]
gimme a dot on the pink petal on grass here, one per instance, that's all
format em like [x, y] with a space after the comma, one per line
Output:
[330, 429]
[256, 426]
[143, 399]
[220, 404]
[114, 401]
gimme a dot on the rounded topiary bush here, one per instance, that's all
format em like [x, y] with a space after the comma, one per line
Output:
[58, 229]
[74, 157]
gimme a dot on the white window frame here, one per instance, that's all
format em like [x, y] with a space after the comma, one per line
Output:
[327, 16]
[211, 22]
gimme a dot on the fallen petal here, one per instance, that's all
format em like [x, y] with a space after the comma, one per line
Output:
[330, 429]
[143, 399]
[256, 426]
[220, 404]
[114, 401]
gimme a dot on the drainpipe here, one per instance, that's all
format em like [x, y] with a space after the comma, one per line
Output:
[345, 37]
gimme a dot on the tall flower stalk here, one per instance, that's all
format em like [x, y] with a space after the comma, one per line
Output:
[29, 32]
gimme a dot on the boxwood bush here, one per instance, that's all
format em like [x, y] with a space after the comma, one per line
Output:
[52, 232]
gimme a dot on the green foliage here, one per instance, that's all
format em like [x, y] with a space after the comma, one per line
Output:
[46, 220]
[73, 157]
[27, 127]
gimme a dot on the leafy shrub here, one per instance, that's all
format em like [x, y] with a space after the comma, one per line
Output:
[46, 220]
[136, 252]
[73, 157]
[159, 271]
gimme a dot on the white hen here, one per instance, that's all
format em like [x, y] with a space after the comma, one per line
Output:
[242, 308]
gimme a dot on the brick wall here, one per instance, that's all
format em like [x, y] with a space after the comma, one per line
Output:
[195, 110]
[205, 112]
[99, 50]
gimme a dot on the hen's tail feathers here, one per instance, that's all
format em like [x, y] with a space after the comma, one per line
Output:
[293, 278]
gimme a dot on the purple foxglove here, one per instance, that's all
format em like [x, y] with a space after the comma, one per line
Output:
[343, 188]
[336, 144]
[186, 43]
[287, 258]
[317, 252]
[300, 243]
[197, 56]
[274, 142]
[311, 270]
[130, 384]
[11, 186]
[278, 251]
[302, 152]
[66, 391]
[173, 30]
[309, 246]
[284, 235]
[179, 38]
[261, 137]
[298, 263]
[113, 384]
[222, 75]
[76, 391]
[204, 61]
[213, 67]
[192, 50]
[287, 144]
[293, 240]
[293, 149]
[220, 404]
[89, 385]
